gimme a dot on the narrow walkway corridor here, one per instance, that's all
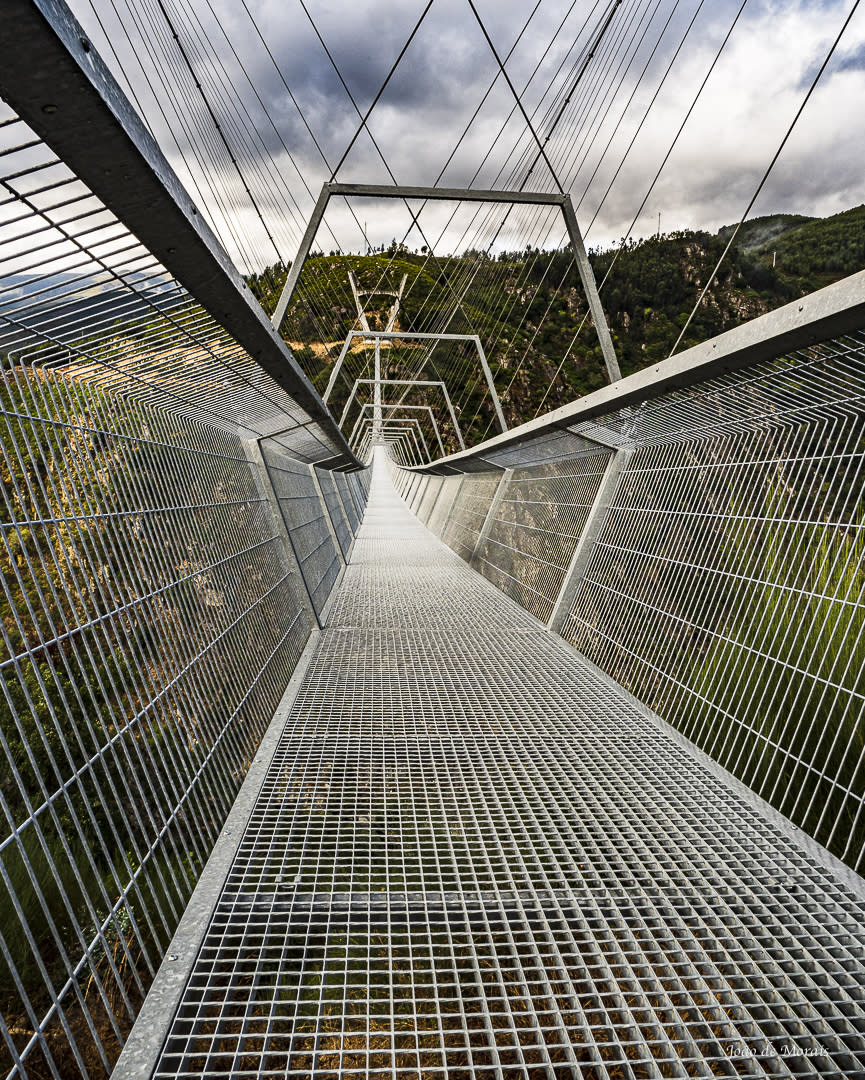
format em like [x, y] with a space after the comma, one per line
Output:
[472, 856]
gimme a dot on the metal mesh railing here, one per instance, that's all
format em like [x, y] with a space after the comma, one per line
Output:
[306, 520]
[472, 857]
[338, 518]
[351, 499]
[151, 616]
[468, 514]
[723, 582]
[167, 550]
[737, 537]
[529, 544]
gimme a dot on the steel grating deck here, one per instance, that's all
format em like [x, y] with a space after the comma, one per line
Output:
[472, 857]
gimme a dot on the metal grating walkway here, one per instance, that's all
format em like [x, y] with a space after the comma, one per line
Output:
[473, 857]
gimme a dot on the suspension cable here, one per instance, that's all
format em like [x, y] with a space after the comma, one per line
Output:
[769, 168]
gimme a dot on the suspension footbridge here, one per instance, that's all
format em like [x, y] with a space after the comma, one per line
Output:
[434, 742]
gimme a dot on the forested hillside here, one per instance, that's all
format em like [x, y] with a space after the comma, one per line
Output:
[649, 288]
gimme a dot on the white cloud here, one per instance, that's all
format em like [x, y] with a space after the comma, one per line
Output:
[749, 101]
[741, 118]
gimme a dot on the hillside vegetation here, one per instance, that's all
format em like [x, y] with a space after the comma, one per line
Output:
[527, 305]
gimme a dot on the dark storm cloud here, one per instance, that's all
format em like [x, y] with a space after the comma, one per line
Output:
[750, 99]
[444, 60]
[443, 74]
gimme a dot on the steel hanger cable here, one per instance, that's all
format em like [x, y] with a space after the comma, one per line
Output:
[768, 170]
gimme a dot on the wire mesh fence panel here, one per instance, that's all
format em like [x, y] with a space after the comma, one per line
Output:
[726, 590]
[150, 618]
[363, 478]
[338, 519]
[411, 480]
[416, 493]
[357, 484]
[306, 523]
[402, 478]
[352, 498]
[439, 513]
[469, 511]
[537, 526]
[429, 497]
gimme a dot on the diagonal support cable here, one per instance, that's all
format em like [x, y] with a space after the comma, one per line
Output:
[364, 119]
[765, 176]
[517, 97]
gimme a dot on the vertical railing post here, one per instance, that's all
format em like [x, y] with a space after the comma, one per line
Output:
[591, 530]
[376, 412]
[590, 288]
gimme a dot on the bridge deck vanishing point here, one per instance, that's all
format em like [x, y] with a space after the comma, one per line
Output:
[472, 856]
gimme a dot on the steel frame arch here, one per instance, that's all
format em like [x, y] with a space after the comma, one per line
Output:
[407, 382]
[387, 405]
[400, 191]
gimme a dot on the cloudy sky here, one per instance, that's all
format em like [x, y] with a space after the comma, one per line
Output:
[287, 119]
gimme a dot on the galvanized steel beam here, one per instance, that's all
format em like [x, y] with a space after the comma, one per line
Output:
[386, 405]
[384, 335]
[399, 191]
[587, 277]
[407, 382]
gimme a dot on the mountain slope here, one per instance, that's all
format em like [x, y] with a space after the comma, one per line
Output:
[527, 306]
